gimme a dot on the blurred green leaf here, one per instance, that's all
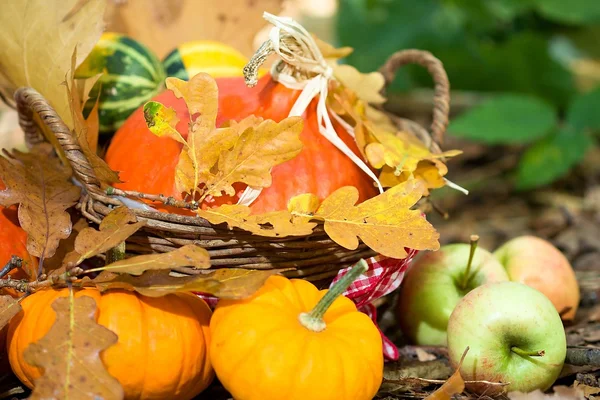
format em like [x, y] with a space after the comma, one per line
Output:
[506, 119]
[551, 158]
[475, 40]
[570, 12]
[584, 112]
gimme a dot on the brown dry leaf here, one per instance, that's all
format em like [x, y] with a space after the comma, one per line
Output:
[87, 131]
[454, 385]
[164, 25]
[272, 224]
[40, 183]
[385, 223]
[37, 41]
[9, 307]
[227, 283]
[117, 226]
[185, 256]
[217, 158]
[560, 393]
[257, 150]
[70, 354]
[66, 247]
[586, 389]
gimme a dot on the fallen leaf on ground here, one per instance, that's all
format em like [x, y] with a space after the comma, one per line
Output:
[185, 256]
[454, 385]
[226, 283]
[560, 393]
[42, 187]
[69, 354]
[38, 39]
[586, 389]
[117, 226]
[9, 307]
[385, 223]
[422, 355]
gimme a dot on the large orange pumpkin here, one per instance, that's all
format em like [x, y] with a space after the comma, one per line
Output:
[13, 242]
[147, 163]
[162, 352]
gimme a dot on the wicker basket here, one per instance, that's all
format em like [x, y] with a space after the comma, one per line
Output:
[314, 257]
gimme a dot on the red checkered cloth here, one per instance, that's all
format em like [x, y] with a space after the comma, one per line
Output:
[383, 276]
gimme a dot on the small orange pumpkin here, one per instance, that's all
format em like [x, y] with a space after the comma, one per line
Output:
[162, 347]
[272, 346]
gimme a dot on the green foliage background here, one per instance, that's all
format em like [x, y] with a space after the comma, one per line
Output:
[521, 52]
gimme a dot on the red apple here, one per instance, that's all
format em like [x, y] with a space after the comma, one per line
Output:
[538, 264]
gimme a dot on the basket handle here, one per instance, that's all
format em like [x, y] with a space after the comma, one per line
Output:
[29, 101]
[441, 98]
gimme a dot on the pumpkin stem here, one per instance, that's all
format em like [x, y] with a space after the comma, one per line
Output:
[314, 320]
[116, 253]
[258, 59]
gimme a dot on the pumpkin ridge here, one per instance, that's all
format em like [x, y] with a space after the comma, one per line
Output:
[353, 346]
[300, 360]
[144, 340]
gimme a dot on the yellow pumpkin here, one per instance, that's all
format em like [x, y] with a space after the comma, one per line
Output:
[272, 346]
[162, 348]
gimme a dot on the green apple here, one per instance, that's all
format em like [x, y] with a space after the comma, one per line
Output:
[537, 263]
[514, 335]
[436, 282]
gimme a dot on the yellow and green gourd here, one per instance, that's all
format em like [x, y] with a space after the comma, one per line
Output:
[131, 75]
[214, 58]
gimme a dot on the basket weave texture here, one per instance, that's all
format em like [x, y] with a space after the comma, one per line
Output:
[314, 257]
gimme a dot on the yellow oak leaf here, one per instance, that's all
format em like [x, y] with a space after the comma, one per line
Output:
[385, 223]
[255, 153]
[302, 205]
[213, 159]
[366, 86]
[271, 224]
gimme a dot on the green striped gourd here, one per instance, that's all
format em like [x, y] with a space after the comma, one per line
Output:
[131, 75]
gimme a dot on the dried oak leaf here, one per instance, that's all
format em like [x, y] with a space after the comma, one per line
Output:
[454, 385]
[41, 186]
[223, 283]
[66, 248]
[70, 354]
[400, 155]
[560, 392]
[385, 223]
[117, 226]
[87, 130]
[215, 158]
[185, 256]
[9, 307]
[38, 39]
[271, 224]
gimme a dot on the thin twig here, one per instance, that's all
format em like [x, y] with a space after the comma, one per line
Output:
[13, 263]
[24, 286]
[167, 200]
